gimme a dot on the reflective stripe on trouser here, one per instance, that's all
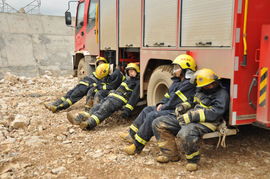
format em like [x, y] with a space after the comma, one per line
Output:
[190, 136]
[103, 110]
[165, 129]
[145, 130]
[140, 120]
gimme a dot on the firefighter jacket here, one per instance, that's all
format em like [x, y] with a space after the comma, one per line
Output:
[128, 92]
[90, 80]
[111, 82]
[179, 92]
[209, 107]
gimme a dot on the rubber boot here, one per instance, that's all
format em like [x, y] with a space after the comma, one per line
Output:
[126, 137]
[192, 167]
[53, 106]
[76, 119]
[89, 124]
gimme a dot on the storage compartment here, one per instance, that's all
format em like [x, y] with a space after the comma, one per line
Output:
[160, 24]
[207, 23]
[108, 25]
[129, 23]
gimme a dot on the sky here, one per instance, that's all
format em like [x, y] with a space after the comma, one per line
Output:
[48, 7]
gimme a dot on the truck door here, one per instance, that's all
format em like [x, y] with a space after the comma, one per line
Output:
[263, 105]
[80, 27]
[92, 29]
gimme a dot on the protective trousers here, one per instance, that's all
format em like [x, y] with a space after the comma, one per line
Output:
[77, 93]
[141, 129]
[190, 136]
[103, 110]
[165, 129]
[94, 97]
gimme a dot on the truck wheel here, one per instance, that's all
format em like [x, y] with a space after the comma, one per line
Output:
[159, 84]
[83, 69]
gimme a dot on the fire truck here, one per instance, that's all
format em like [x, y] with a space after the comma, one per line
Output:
[231, 37]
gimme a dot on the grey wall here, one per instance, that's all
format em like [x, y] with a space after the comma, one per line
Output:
[32, 44]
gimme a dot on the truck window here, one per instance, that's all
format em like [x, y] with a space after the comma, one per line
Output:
[92, 13]
[80, 13]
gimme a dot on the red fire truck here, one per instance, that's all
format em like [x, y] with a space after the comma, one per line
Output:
[231, 37]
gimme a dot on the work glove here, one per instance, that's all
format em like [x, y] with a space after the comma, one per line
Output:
[181, 119]
[126, 113]
[182, 108]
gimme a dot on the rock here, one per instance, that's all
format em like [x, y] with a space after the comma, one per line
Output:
[40, 128]
[58, 170]
[20, 121]
[149, 162]
[11, 78]
[71, 131]
[97, 154]
[67, 142]
[112, 157]
[34, 141]
[10, 140]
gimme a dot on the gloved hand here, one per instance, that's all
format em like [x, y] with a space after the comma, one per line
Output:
[182, 108]
[126, 113]
[184, 119]
[179, 110]
[180, 119]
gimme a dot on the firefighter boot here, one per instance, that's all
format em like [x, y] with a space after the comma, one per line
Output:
[167, 147]
[192, 167]
[134, 149]
[76, 119]
[89, 104]
[63, 106]
[53, 106]
[126, 137]
[89, 124]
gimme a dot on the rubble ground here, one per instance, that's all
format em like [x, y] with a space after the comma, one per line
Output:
[35, 143]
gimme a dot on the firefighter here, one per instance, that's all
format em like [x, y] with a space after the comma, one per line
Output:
[80, 90]
[211, 102]
[125, 96]
[101, 91]
[181, 91]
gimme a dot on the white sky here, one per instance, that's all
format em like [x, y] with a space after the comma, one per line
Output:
[48, 7]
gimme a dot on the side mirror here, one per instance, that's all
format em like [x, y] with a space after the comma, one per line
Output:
[68, 18]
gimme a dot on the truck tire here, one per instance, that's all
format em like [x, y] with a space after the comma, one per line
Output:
[83, 69]
[159, 84]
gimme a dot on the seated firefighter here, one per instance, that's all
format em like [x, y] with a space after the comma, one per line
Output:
[92, 83]
[211, 102]
[126, 96]
[181, 91]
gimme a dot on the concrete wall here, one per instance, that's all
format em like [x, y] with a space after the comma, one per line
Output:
[32, 44]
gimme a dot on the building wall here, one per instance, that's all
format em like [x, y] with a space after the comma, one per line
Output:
[32, 44]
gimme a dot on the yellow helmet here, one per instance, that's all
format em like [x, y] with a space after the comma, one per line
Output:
[99, 58]
[133, 66]
[102, 70]
[205, 77]
[185, 62]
